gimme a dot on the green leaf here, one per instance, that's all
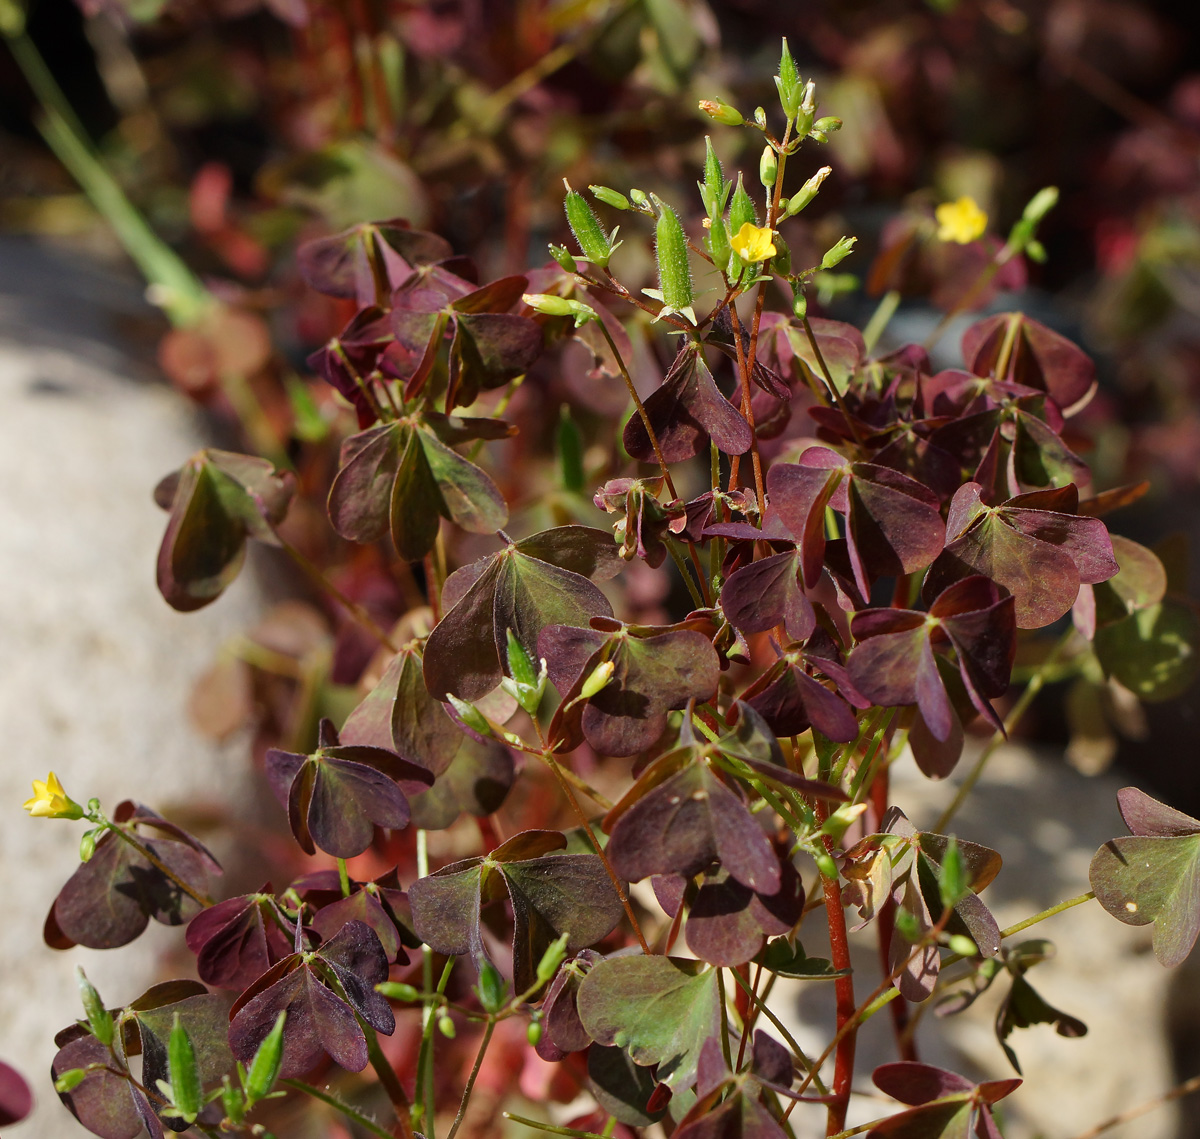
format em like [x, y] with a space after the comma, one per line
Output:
[1153, 651]
[661, 1010]
[1154, 879]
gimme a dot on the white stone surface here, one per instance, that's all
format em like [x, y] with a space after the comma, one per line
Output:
[96, 669]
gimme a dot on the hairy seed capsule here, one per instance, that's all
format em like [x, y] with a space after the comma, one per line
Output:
[670, 248]
[593, 241]
[741, 208]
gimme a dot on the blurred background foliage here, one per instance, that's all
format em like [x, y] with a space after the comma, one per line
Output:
[240, 128]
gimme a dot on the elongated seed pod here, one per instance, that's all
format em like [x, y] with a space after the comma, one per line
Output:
[184, 1073]
[593, 241]
[741, 208]
[670, 248]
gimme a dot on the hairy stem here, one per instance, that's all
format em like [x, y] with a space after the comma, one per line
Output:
[466, 1097]
[345, 1109]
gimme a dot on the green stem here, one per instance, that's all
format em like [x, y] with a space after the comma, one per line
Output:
[157, 863]
[352, 607]
[426, 1107]
[466, 1096]
[1177, 1092]
[346, 1110]
[550, 1129]
[797, 1051]
[724, 1018]
[343, 877]
[888, 303]
[1070, 903]
[1035, 685]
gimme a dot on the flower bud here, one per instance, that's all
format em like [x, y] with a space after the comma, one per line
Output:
[768, 166]
[470, 715]
[640, 200]
[838, 252]
[398, 991]
[962, 945]
[556, 953]
[1040, 204]
[722, 112]
[610, 197]
[841, 820]
[828, 124]
[446, 1027]
[760, 118]
[712, 189]
[826, 865]
[87, 846]
[534, 1033]
[800, 306]
[718, 242]
[70, 1080]
[599, 679]
[493, 989]
[808, 191]
[552, 305]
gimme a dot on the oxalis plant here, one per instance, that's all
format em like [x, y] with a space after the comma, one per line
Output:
[868, 550]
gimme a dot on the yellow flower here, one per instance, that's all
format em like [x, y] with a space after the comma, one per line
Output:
[753, 243]
[962, 221]
[50, 801]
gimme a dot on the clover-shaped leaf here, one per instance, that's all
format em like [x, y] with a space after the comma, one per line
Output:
[893, 663]
[1034, 545]
[319, 1021]
[16, 1100]
[336, 796]
[217, 500]
[110, 899]
[403, 478]
[942, 1103]
[552, 894]
[685, 412]
[679, 817]
[893, 523]
[238, 940]
[769, 592]
[660, 1010]
[477, 781]
[728, 923]
[625, 1090]
[541, 580]
[653, 670]
[350, 264]
[1153, 876]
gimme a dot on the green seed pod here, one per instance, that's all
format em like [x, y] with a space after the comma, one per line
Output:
[826, 865]
[184, 1072]
[520, 667]
[446, 1027]
[398, 991]
[70, 1080]
[782, 261]
[268, 1059]
[100, 1021]
[712, 189]
[671, 252]
[741, 208]
[610, 197]
[718, 242]
[768, 166]
[788, 82]
[493, 989]
[593, 241]
[838, 252]
[556, 953]
[962, 945]
[562, 255]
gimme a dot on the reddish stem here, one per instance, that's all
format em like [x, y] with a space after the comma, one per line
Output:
[839, 945]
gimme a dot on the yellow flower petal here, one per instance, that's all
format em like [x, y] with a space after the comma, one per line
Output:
[962, 221]
[50, 801]
[753, 243]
